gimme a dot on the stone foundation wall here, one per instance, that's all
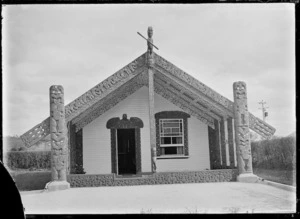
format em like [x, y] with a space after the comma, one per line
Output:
[95, 180]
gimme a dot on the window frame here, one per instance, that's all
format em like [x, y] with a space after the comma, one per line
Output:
[180, 122]
[172, 115]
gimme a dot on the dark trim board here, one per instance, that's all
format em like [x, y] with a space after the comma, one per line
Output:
[76, 150]
[96, 180]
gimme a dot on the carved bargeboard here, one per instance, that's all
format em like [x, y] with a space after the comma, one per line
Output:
[37, 133]
[187, 95]
[256, 124]
[86, 100]
[192, 81]
[260, 127]
[173, 98]
[99, 91]
[90, 98]
[112, 100]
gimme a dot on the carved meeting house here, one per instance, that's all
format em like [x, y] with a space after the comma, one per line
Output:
[149, 123]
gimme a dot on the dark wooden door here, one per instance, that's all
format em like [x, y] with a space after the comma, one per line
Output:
[126, 151]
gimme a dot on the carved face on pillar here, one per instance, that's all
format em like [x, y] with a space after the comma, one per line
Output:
[150, 32]
[240, 90]
[56, 90]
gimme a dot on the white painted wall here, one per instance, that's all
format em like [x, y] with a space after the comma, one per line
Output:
[96, 138]
[198, 143]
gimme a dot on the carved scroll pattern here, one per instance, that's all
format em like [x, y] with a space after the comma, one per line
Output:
[200, 98]
[260, 127]
[111, 83]
[193, 82]
[173, 98]
[58, 130]
[187, 101]
[180, 90]
[129, 85]
[242, 133]
[129, 89]
[37, 133]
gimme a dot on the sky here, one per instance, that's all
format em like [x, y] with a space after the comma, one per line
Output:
[78, 46]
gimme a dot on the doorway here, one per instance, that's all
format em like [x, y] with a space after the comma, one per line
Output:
[126, 151]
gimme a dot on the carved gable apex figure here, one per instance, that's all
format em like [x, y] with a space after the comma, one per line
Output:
[150, 57]
[150, 40]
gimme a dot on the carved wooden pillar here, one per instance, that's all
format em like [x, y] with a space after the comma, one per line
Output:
[59, 140]
[150, 63]
[152, 120]
[230, 142]
[242, 133]
[223, 142]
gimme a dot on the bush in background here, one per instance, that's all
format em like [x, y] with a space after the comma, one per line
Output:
[13, 143]
[28, 159]
[277, 153]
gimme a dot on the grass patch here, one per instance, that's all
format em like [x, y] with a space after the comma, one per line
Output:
[31, 180]
[287, 177]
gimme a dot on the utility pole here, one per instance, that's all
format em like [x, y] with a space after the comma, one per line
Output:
[263, 108]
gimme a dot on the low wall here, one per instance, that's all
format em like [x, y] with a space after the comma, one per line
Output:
[94, 180]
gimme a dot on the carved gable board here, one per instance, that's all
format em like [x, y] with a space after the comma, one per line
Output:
[172, 83]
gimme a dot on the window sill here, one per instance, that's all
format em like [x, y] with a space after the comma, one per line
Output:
[172, 157]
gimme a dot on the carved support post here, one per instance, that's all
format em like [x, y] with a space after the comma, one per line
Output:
[152, 120]
[242, 133]
[150, 63]
[230, 142]
[59, 140]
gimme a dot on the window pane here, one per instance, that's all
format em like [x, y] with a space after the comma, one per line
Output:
[165, 140]
[170, 150]
[179, 150]
[169, 124]
[171, 120]
[167, 130]
[177, 140]
[175, 130]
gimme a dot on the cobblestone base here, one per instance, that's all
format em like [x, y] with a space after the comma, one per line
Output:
[95, 180]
